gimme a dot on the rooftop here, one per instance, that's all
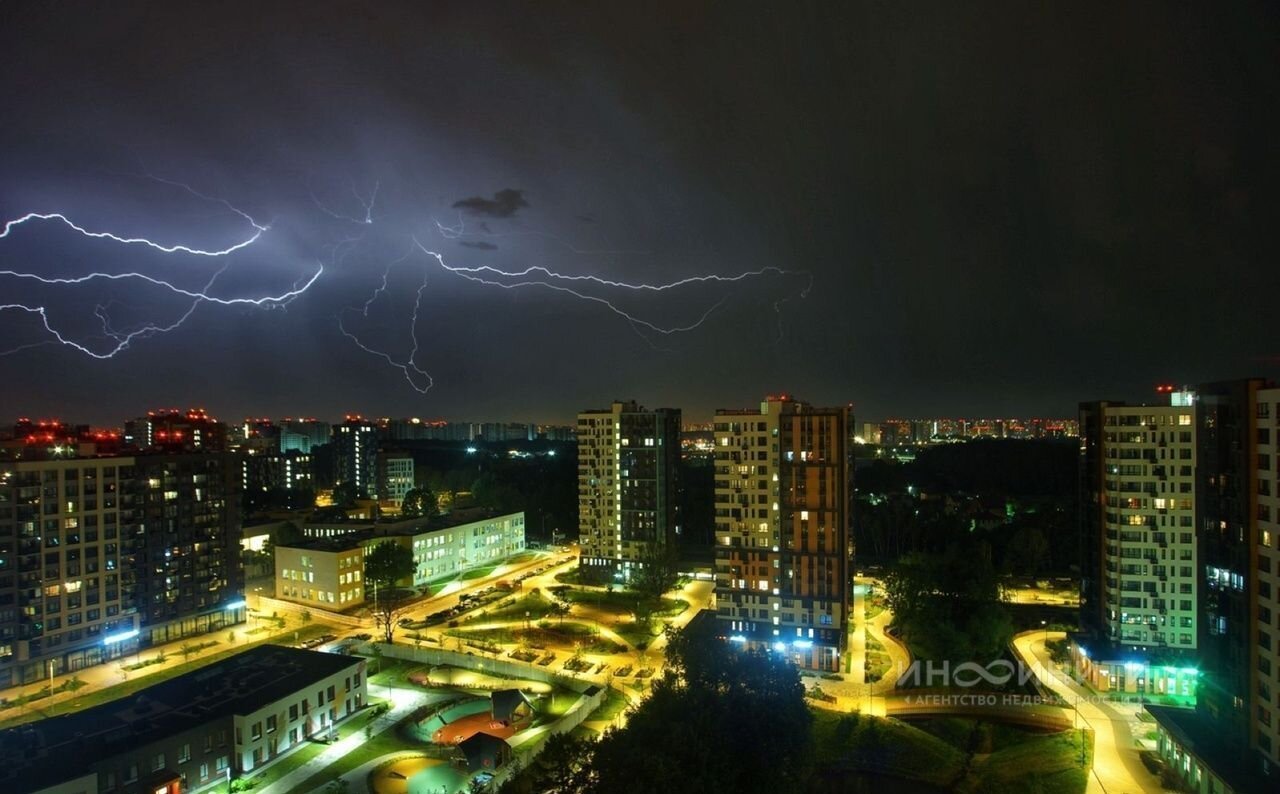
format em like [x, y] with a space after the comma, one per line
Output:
[1196, 734]
[60, 748]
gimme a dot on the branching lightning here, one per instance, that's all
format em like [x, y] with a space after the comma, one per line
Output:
[613, 294]
[121, 341]
[538, 276]
[418, 379]
[168, 249]
[366, 203]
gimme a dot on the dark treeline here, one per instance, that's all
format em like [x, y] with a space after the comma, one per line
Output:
[1016, 498]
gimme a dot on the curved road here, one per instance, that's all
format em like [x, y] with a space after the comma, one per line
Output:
[1117, 769]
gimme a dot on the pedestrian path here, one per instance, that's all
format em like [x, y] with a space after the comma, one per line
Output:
[1117, 769]
[404, 702]
[111, 674]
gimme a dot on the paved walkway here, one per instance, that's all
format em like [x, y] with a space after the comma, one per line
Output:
[1117, 769]
[404, 701]
[104, 676]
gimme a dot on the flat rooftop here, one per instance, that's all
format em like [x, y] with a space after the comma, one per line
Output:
[43, 753]
[1235, 763]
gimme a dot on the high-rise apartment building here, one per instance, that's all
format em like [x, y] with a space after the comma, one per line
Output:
[1224, 435]
[1266, 670]
[303, 434]
[395, 476]
[103, 555]
[1229, 742]
[355, 452]
[628, 463]
[1138, 468]
[174, 431]
[1266, 615]
[783, 542]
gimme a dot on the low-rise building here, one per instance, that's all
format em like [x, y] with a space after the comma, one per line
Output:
[192, 733]
[322, 572]
[312, 572]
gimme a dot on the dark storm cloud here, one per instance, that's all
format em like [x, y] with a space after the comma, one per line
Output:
[478, 244]
[1004, 209]
[504, 204]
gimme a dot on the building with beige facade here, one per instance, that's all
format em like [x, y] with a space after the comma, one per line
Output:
[326, 568]
[321, 572]
[783, 543]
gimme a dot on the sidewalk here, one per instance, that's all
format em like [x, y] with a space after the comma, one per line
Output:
[102, 677]
[404, 700]
[1117, 769]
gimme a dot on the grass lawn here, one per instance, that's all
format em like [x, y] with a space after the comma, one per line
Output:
[559, 703]
[389, 741]
[621, 602]
[1041, 764]
[613, 704]
[636, 634]
[307, 751]
[478, 573]
[97, 697]
[536, 604]
[884, 745]
[394, 672]
[554, 635]
[874, 609]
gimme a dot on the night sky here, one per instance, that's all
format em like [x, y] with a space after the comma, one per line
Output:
[937, 210]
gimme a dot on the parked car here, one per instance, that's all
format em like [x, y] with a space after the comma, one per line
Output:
[363, 637]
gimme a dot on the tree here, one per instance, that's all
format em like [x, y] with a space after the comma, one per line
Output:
[345, 495]
[560, 768]
[658, 573]
[948, 604]
[384, 568]
[718, 720]
[419, 502]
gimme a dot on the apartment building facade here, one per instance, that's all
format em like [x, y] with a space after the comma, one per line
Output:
[104, 555]
[783, 542]
[628, 469]
[355, 454]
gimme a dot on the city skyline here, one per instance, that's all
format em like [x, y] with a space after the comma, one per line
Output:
[934, 219]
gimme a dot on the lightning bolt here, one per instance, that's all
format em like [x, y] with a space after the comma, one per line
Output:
[418, 379]
[199, 295]
[9, 226]
[122, 340]
[538, 276]
[592, 288]
[366, 203]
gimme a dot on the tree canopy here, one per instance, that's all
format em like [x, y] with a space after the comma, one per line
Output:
[419, 502]
[948, 604]
[387, 564]
[345, 495]
[384, 567]
[718, 720]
